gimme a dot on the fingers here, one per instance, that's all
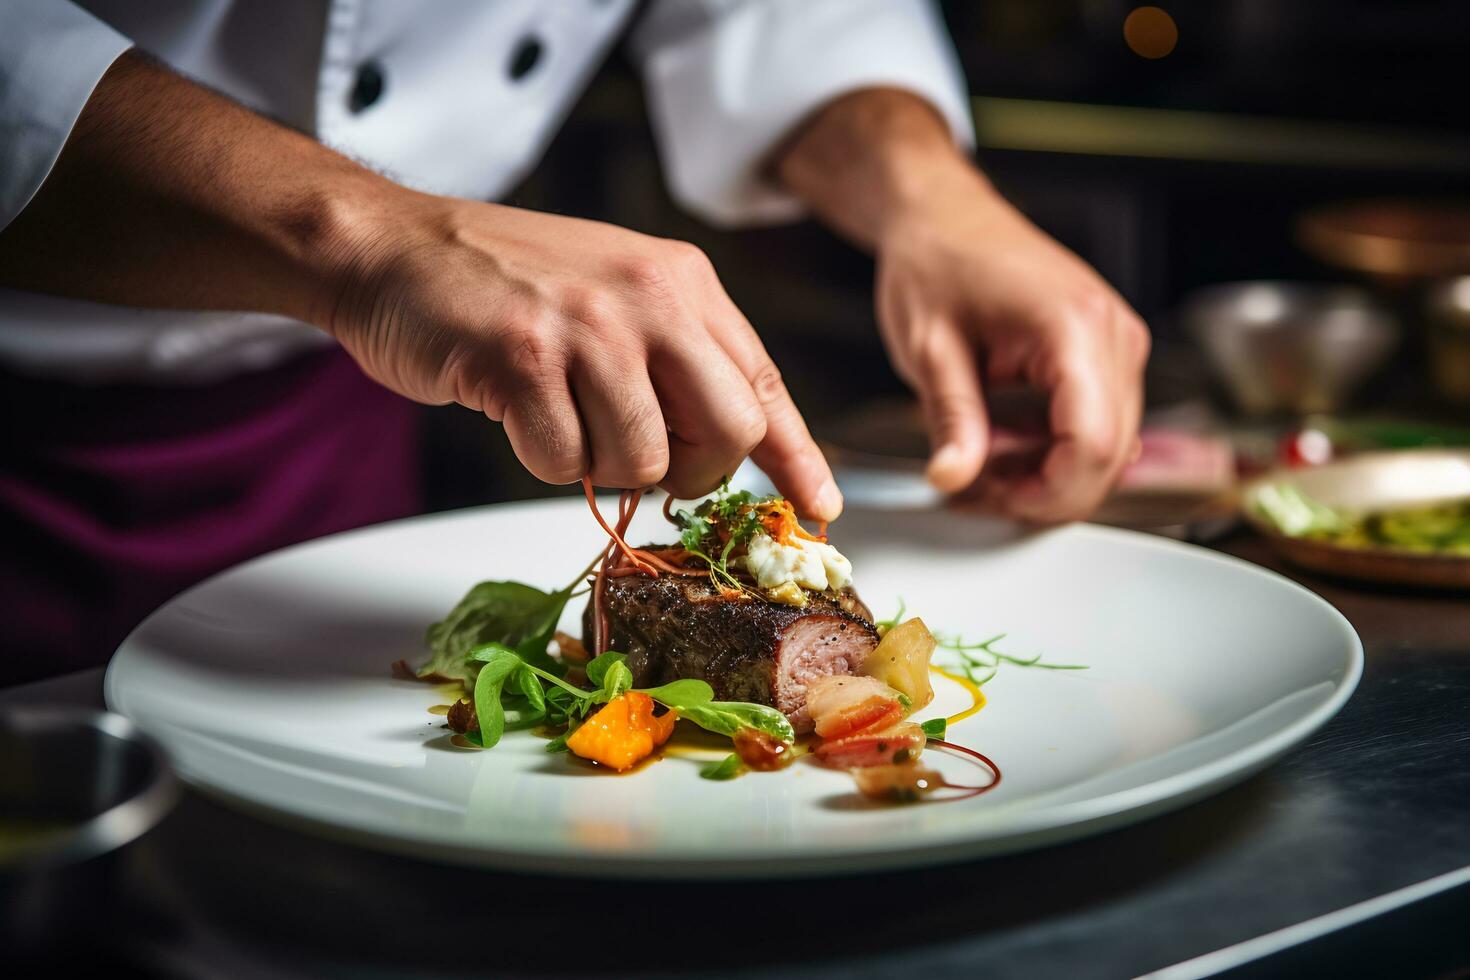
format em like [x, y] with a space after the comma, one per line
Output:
[948, 386]
[627, 440]
[1077, 469]
[713, 417]
[1094, 376]
[545, 431]
[787, 453]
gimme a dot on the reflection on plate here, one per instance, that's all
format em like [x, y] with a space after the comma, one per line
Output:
[270, 686]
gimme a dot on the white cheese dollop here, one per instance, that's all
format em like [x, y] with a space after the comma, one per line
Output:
[810, 564]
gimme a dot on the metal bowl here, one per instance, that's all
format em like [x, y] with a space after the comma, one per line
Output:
[76, 785]
[1290, 348]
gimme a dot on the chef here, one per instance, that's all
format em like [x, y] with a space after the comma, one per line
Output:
[237, 240]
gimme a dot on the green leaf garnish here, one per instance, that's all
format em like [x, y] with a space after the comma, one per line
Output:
[935, 728]
[505, 675]
[598, 665]
[615, 681]
[727, 768]
[728, 717]
[680, 693]
[497, 664]
[511, 614]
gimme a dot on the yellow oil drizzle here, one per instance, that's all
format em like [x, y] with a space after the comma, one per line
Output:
[453, 690]
[977, 696]
[439, 709]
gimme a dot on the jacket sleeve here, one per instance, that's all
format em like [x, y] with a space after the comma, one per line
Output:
[728, 80]
[52, 54]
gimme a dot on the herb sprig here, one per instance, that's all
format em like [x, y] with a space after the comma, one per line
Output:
[713, 530]
[978, 662]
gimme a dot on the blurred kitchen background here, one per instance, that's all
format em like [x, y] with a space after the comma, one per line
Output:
[1176, 148]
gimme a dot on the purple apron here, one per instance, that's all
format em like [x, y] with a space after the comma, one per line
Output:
[114, 498]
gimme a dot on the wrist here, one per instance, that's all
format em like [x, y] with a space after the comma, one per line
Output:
[331, 236]
[872, 158]
[920, 187]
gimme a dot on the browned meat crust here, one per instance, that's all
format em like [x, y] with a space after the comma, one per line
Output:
[746, 648]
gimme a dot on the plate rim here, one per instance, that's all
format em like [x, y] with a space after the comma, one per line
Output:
[1062, 822]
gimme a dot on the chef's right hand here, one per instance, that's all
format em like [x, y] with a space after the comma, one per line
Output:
[604, 351]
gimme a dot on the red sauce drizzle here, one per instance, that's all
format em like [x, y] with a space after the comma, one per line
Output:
[982, 759]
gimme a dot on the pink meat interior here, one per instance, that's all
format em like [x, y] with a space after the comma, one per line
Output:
[812, 647]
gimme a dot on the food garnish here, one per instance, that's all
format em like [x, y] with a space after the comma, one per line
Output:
[622, 732]
[747, 603]
[978, 662]
[901, 660]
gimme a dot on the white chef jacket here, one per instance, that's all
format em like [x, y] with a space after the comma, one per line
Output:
[454, 97]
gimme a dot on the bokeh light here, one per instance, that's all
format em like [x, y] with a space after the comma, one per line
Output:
[1150, 32]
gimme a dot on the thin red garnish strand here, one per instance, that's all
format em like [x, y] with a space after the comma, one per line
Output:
[623, 519]
[620, 559]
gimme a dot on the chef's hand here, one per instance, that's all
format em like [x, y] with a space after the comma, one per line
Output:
[605, 352]
[971, 295]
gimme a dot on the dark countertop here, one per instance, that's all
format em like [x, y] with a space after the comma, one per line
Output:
[1378, 800]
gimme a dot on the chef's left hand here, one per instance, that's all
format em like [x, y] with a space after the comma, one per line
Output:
[970, 297]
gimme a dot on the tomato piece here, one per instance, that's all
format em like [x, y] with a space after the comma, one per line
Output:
[828, 695]
[873, 712]
[873, 747]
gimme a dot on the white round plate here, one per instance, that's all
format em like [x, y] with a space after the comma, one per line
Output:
[270, 686]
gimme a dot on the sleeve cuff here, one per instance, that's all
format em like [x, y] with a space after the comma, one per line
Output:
[52, 54]
[724, 92]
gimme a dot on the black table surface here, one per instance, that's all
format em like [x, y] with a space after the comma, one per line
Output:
[1376, 801]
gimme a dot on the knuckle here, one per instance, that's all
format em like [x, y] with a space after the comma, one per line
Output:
[1089, 306]
[1136, 335]
[1076, 316]
[645, 274]
[744, 431]
[592, 307]
[528, 355]
[688, 257]
[767, 383]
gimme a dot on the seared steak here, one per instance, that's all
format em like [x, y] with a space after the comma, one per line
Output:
[746, 648]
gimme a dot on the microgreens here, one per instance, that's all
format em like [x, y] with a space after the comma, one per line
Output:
[718, 526]
[507, 681]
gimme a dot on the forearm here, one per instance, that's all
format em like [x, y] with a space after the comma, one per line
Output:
[168, 195]
[873, 156]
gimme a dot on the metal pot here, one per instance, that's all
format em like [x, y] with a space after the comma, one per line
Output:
[76, 786]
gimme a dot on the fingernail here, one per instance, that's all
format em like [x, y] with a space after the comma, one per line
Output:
[828, 502]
